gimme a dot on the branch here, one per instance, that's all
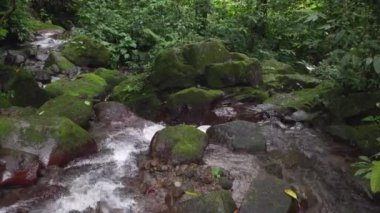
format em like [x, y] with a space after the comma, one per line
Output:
[8, 12]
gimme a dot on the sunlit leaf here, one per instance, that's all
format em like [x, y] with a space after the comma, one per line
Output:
[291, 193]
[192, 194]
[88, 103]
[375, 177]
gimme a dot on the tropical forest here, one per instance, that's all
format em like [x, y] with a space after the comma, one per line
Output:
[189, 106]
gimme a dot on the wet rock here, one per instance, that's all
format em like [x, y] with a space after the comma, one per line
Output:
[247, 94]
[85, 85]
[74, 108]
[25, 90]
[238, 135]
[234, 73]
[213, 202]
[55, 140]
[16, 58]
[366, 137]
[112, 111]
[42, 76]
[179, 144]
[83, 51]
[226, 183]
[113, 77]
[194, 98]
[137, 95]
[64, 66]
[266, 194]
[180, 67]
[17, 168]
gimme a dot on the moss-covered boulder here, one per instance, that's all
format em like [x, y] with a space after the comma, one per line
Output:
[344, 106]
[19, 88]
[238, 136]
[305, 99]
[249, 94]
[276, 67]
[15, 111]
[235, 56]
[213, 202]
[84, 51]
[85, 85]
[194, 97]
[74, 108]
[179, 144]
[137, 94]
[64, 65]
[365, 137]
[55, 140]
[266, 194]
[181, 67]
[234, 73]
[112, 77]
[289, 82]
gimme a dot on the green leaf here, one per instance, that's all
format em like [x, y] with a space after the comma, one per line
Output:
[375, 177]
[216, 172]
[376, 63]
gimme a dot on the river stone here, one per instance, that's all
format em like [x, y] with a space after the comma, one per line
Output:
[18, 168]
[213, 202]
[194, 97]
[74, 108]
[84, 51]
[86, 85]
[179, 144]
[23, 89]
[234, 73]
[55, 140]
[238, 136]
[113, 77]
[266, 194]
[63, 64]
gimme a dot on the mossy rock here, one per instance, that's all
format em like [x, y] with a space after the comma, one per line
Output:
[234, 73]
[248, 94]
[179, 144]
[15, 111]
[137, 94]
[178, 68]
[85, 85]
[5, 100]
[276, 67]
[201, 54]
[235, 56]
[213, 202]
[171, 71]
[74, 108]
[289, 82]
[20, 88]
[305, 99]
[56, 140]
[365, 137]
[113, 77]
[84, 51]
[63, 64]
[194, 97]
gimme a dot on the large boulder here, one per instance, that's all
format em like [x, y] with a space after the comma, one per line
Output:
[365, 137]
[266, 194]
[20, 88]
[84, 51]
[113, 77]
[85, 85]
[276, 67]
[239, 136]
[74, 108]
[137, 94]
[305, 99]
[234, 73]
[179, 144]
[181, 67]
[194, 97]
[55, 140]
[213, 202]
[249, 94]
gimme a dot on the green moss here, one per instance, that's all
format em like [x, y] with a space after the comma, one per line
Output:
[33, 135]
[276, 67]
[83, 51]
[86, 85]
[21, 84]
[289, 82]
[194, 97]
[69, 135]
[238, 56]
[6, 127]
[62, 63]
[306, 99]
[247, 94]
[234, 73]
[37, 25]
[113, 77]
[74, 108]
[187, 142]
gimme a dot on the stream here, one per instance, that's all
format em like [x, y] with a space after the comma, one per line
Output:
[313, 163]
